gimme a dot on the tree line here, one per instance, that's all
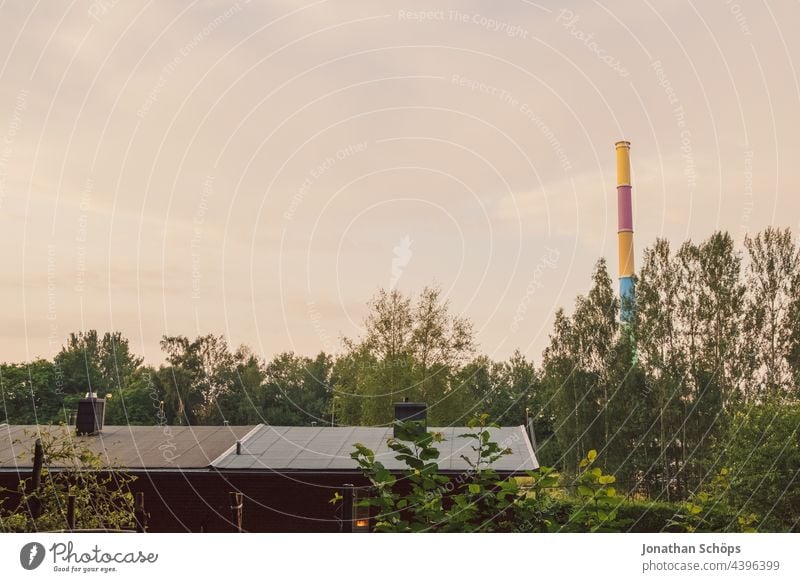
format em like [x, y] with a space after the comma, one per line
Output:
[707, 374]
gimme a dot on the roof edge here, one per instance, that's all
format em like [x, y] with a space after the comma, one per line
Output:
[232, 448]
[528, 444]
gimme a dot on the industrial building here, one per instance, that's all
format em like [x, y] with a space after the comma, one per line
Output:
[286, 475]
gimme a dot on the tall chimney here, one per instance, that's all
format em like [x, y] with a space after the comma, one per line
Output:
[625, 231]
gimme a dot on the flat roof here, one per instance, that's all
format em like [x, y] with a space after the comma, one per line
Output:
[132, 447]
[264, 447]
[305, 448]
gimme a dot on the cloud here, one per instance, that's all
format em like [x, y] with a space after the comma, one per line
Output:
[145, 104]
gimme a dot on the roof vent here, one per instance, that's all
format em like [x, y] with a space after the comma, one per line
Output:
[413, 412]
[91, 414]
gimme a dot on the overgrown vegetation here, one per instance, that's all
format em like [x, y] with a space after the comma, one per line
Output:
[103, 499]
[422, 499]
[707, 375]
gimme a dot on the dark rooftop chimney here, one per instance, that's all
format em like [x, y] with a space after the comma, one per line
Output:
[91, 414]
[414, 412]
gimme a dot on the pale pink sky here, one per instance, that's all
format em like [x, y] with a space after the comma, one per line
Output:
[260, 169]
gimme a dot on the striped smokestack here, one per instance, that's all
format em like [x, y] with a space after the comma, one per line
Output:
[625, 230]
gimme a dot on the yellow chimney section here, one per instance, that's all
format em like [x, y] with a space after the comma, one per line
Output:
[623, 163]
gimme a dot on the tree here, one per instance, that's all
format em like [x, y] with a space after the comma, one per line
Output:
[103, 498]
[564, 387]
[595, 323]
[78, 364]
[665, 335]
[720, 308]
[138, 402]
[30, 394]
[762, 448]
[410, 349]
[630, 411]
[714, 316]
[116, 361]
[242, 401]
[183, 400]
[478, 385]
[88, 363]
[689, 325]
[793, 354]
[504, 390]
[353, 373]
[297, 390]
[773, 282]
[577, 369]
[200, 371]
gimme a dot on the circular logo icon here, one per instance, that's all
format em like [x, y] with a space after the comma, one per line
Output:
[31, 555]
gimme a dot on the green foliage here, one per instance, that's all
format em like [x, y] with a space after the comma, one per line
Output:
[576, 369]
[200, 371]
[420, 499]
[695, 513]
[90, 363]
[207, 383]
[29, 393]
[486, 502]
[136, 403]
[297, 390]
[762, 449]
[102, 494]
[599, 500]
[708, 337]
[706, 373]
[421, 507]
[412, 348]
[638, 516]
[504, 390]
[772, 332]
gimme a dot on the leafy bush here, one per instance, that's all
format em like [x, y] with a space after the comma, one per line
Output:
[420, 498]
[102, 495]
[707, 511]
[598, 500]
[763, 453]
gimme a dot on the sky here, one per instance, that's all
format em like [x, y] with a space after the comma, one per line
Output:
[261, 169]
